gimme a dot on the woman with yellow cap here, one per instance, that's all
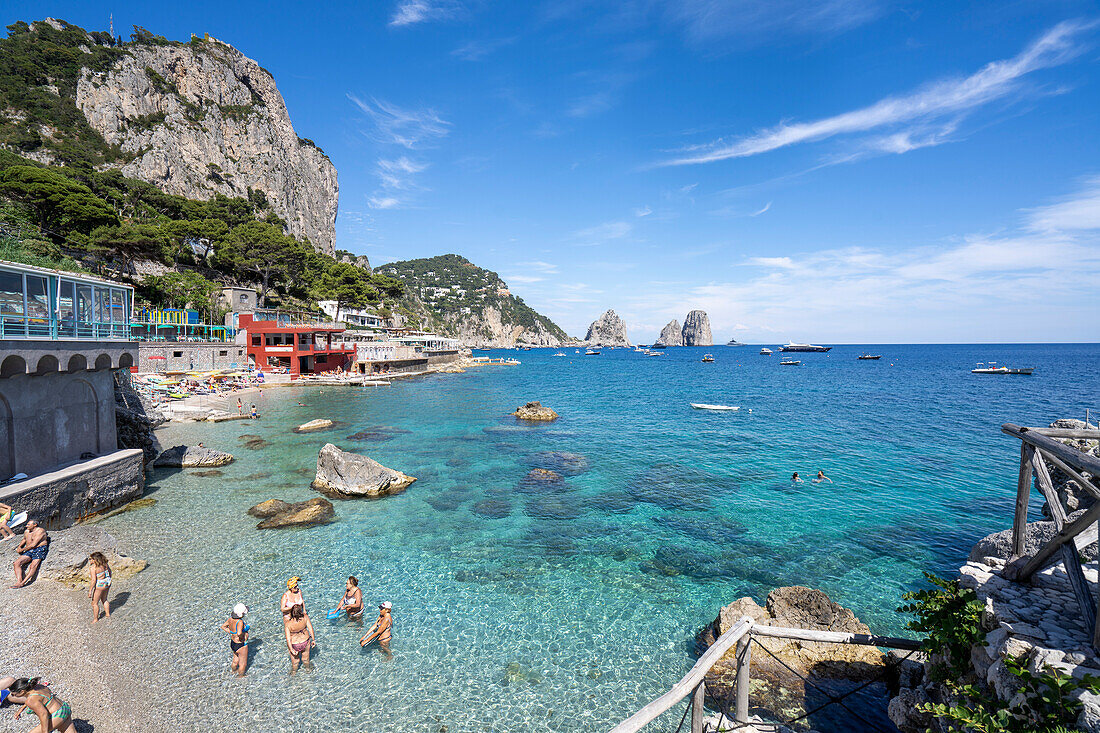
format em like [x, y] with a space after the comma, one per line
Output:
[292, 598]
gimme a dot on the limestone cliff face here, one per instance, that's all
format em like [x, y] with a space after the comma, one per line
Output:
[608, 330]
[671, 334]
[202, 118]
[697, 329]
[485, 328]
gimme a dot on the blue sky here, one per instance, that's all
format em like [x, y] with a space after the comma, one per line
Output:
[831, 171]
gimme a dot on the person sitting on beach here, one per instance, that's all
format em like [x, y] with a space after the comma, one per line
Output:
[381, 630]
[53, 713]
[299, 637]
[32, 551]
[821, 478]
[238, 639]
[795, 479]
[99, 584]
[292, 598]
[5, 515]
[352, 602]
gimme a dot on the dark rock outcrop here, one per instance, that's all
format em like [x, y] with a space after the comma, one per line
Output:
[671, 334]
[186, 456]
[344, 475]
[534, 411]
[135, 420]
[278, 514]
[608, 330]
[696, 331]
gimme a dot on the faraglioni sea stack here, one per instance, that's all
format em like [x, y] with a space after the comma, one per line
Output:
[697, 329]
[608, 330]
[671, 335]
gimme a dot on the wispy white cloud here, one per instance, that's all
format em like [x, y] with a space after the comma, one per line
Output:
[706, 20]
[383, 202]
[410, 12]
[398, 174]
[1081, 211]
[642, 211]
[933, 109]
[406, 127]
[478, 49]
[761, 211]
[548, 268]
[602, 233]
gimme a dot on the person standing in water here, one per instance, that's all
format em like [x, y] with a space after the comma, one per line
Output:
[53, 713]
[822, 478]
[352, 602]
[238, 639]
[292, 598]
[99, 584]
[381, 631]
[299, 638]
[240, 407]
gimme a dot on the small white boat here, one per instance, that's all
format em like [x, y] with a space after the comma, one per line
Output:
[708, 357]
[656, 353]
[790, 362]
[992, 368]
[577, 351]
[719, 408]
[765, 351]
[560, 353]
[591, 352]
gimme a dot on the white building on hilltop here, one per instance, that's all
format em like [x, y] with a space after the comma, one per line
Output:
[354, 317]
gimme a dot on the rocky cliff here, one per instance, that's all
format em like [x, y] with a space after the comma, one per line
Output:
[671, 334]
[696, 330]
[453, 296]
[202, 118]
[608, 330]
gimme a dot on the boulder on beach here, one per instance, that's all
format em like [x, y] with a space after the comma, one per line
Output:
[191, 456]
[279, 514]
[535, 411]
[68, 557]
[835, 667]
[344, 475]
[314, 425]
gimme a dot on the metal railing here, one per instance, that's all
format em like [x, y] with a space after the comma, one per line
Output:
[42, 328]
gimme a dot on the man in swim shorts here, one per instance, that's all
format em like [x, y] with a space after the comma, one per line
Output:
[32, 551]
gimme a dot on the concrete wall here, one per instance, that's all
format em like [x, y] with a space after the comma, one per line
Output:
[191, 357]
[59, 498]
[41, 357]
[50, 419]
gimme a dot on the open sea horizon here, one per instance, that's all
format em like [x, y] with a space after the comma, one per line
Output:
[566, 606]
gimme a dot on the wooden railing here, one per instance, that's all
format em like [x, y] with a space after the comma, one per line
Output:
[740, 635]
[1039, 446]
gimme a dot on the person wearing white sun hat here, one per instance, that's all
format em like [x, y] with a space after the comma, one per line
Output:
[238, 638]
[382, 630]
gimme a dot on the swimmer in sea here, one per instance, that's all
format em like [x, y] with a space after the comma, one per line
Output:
[795, 479]
[381, 631]
[822, 478]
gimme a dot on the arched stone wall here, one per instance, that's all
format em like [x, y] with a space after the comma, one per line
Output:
[47, 364]
[126, 361]
[76, 421]
[77, 363]
[13, 365]
[103, 361]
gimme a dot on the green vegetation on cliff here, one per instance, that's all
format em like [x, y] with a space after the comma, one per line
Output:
[447, 291]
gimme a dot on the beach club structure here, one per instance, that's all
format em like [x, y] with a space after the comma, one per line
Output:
[296, 343]
[64, 339]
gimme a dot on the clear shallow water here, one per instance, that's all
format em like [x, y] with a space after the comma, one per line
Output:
[566, 607]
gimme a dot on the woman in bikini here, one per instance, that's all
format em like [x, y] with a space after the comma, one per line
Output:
[299, 638]
[53, 713]
[99, 583]
[238, 639]
[352, 602]
[381, 631]
[292, 598]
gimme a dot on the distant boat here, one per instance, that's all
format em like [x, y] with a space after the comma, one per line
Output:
[804, 347]
[765, 351]
[708, 357]
[655, 353]
[560, 353]
[719, 408]
[592, 352]
[658, 346]
[869, 357]
[790, 362]
[577, 351]
[735, 342]
[992, 368]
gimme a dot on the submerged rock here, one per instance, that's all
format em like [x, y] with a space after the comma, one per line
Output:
[780, 692]
[184, 456]
[540, 480]
[534, 411]
[492, 508]
[279, 514]
[212, 473]
[346, 475]
[314, 425]
[567, 464]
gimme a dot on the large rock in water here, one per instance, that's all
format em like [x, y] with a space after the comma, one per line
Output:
[535, 411]
[201, 118]
[278, 514]
[696, 330]
[608, 330]
[344, 475]
[834, 667]
[67, 561]
[314, 425]
[185, 456]
[671, 334]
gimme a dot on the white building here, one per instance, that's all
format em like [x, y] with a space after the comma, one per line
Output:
[354, 317]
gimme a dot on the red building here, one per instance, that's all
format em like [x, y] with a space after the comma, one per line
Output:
[302, 348]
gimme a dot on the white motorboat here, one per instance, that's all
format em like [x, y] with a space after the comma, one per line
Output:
[560, 353]
[790, 362]
[592, 352]
[992, 368]
[708, 357]
[765, 351]
[804, 347]
[718, 408]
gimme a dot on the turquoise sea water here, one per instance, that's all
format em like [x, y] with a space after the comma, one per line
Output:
[565, 607]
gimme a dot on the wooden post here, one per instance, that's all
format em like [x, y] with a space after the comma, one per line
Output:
[1046, 486]
[744, 660]
[697, 708]
[1023, 492]
[1072, 560]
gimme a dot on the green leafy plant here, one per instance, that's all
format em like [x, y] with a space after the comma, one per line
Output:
[1048, 706]
[950, 616]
